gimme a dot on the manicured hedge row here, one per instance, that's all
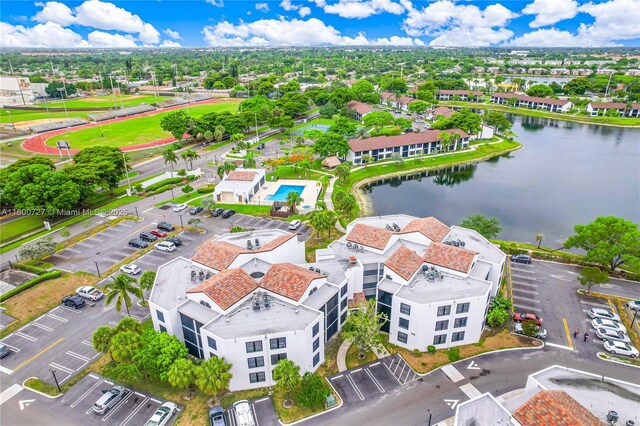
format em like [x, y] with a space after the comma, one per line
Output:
[46, 276]
[206, 189]
[28, 268]
[157, 185]
[161, 189]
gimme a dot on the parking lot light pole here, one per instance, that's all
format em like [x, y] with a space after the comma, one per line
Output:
[634, 318]
[137, 216]
[429, 411]
[55, 379]
[97, 269]
[181, 224]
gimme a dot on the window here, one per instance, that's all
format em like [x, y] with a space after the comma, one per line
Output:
[404, 323]
[439, 339]
[278, 343]
[343, 318]
[462, 308]
[370, 285]
[316, 329]
[212, 343]
[162, 328]
[343, 304]
[160, 316]
[316, 359]
[460, 322]
[444, 310]
[384, 297]
[405, 309]
[457, 336]
[343, 290]
[402, 337]
[316, 344]
[442, 325]
[257, 377]
[254, 346]
[255, 362]
[277, 357]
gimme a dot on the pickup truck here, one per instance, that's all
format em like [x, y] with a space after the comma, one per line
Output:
[244, 413]
[90, 293]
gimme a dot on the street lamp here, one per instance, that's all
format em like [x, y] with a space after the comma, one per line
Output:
[64, 104]
[429, 411]
[55, 379]
[126, 169]
[634, 318]
[181, 224]
[97, 269]
[256, 118]
[11, 121]
[137, 216]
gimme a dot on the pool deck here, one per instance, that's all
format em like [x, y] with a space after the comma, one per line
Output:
[309, 194]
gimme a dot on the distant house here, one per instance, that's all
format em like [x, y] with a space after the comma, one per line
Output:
[532, 102]
[331, 162]
[239, 186]
[407, 145]
[441, 111]
[390, 99]
[359, 109]
[601, 108]
[465, 95]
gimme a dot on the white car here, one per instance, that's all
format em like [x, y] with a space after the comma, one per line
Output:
[618, 336]
[603, 313]
[634, 305]
[166, 246]
[542, 333]
[608, 324]
[131, 268]
[90, 293]
[162, 415]
[179, 207]
[621, 348]
[295, 224]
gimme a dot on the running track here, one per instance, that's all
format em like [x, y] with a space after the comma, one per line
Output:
[38, 144]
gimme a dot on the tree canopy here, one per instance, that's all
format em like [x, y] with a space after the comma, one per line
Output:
[331, 143]
[488, 227]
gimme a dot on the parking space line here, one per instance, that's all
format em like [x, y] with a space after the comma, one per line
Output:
[57, 318]
[521, 290]
[523, 277]
[80, 357]
[26, 336]
[75, 311]
[526, 307]
[5, 370]
[525, 298]
[336, 377]
[407, 376]
[135, 411]
[355, 388]
[375, 381]
[61, 367]
[568, 333]
[113, 323]
[526, 271]
[13, 348]
[157, 401]
[255, 416]
[38, 354]
[115, 407]
[44, 327]
[84, 395]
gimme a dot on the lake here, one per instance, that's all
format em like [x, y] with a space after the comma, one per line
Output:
[566, 173]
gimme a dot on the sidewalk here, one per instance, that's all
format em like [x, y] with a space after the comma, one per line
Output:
[342, 354]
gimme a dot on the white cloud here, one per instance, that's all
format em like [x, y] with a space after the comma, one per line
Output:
[361, 8]
[286, 5]
[545, 38]
[170, 43]
[49, 34]
[216, 3]
[294, 32]
[173, 34]
[54, 11]
[263, 7]
[548, 12]
[304, 11]
[454, 24]
[102, 39]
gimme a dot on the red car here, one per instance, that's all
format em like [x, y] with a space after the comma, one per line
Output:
[518, 317]
[158, 233]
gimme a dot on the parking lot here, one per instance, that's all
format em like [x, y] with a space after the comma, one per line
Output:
[263, 412]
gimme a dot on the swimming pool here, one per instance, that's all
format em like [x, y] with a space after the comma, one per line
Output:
[281, 193]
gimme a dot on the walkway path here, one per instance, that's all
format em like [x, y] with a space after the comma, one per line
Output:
[342, 354]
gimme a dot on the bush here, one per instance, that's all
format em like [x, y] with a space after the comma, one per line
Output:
[161, 189]
[28, 268]
[170, 181]
[138, 188]
[453, 354]
[431, 349]
[416, 352]
[187, 189]
[237, 229]
[191, 178]
[65, 233]
[206, 189]
[46, 276]
[182, 172]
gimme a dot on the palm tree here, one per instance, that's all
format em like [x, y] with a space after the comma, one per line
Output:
[101, 339]
[218, 133]
[182, 373]
[195, 222]
[121, 290]
[249, 162]
[305, 166]
[208, 135]
[190, 154]
[213, 375]
[539, 238]
[330, 219]
[185, 156]
[170, 156]
[146, 282]
[293, 199]
[445, 140]
[287, 375]
[225, 168]
[208, 204]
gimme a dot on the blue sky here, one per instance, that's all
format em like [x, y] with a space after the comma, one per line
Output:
[100, 23]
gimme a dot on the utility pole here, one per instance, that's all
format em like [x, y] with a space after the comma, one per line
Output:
[64, 104]
[113, 94]
[19, 86]
[55, 379]
[126, 169]
[46, 105]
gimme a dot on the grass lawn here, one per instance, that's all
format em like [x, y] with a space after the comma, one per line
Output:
[18, 115]
[104, 101]
[40, 386]
[289, 172]
[330, 366]
[239, 208]
[182, 198]
[134, 131]
[354, 361]
[11, 229]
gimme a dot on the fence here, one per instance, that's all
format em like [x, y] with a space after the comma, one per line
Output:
[124, 112]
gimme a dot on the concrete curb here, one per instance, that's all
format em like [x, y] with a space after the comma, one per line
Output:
[317, 414]
[38, 392]
[613, 360]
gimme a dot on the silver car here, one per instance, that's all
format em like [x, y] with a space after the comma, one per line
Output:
[599, 323]
[110, 398]
[607, 335]
[603, 313]
[542, 333]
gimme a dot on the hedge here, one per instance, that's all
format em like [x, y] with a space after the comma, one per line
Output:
[157, 185]
[46, 276]
[206, 189]
[28, 268]
[161, 189]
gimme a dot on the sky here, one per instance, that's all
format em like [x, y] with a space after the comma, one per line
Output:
[263, 23]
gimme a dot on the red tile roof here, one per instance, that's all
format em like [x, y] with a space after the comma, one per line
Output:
[288, 280]
[369, 236]
[504, 95]
[608, 105]
[217, 254]
[430, 227]
[358, 300]
[406, 100]
[241, 175]
[387, 95]
[227, 287]
[555, 408]
[443, 110]
[450, 257]
[459, 92]
[359, 107]
[404, 262]
[531, 98]
[379, 142]
[276, 242]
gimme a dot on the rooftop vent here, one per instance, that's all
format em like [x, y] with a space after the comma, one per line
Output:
[431, 273]
[249, 245]
[255, 302]
[455, 243]
[267, 301]
[257, 241]
[396, 228]
[256, 274]
[388, 227]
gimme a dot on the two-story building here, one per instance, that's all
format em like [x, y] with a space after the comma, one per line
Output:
[463, 95]
[533, 102]
[359, 109]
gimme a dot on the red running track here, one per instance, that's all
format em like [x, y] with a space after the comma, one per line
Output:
[38, 144]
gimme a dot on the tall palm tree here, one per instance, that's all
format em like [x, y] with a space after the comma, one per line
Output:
[170, 156]
[445, 140]
[305, 166]
[121, 289]
[287, 374]
[213, 375]
[146, 282]
[293, 199]
[249, 161]
[191, 154]
[218, 133]
[185, 156]
[225, 168]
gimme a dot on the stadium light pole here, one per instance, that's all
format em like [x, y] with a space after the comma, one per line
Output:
[64, 104]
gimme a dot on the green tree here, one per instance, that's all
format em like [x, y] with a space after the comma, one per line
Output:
[187, 189]
[283, 123]
[101, 339]
[121, 290]
[169, 156]
[530, 328]
[218, 133]
[313, 390]
[182, 373]
[345, 202]
[498, 121]
[196, 221]
[58, 89]
[499, 309]
[343, 126]
[540, 90]
[145, 282]
[249, 161]
[157, 352]
[208, 204]
[213, 376]
[378, 119]
[445, 140]
[343, 171]
[319, 221]
[539, 238]
[331, 143]
[608, 241]
[403, 123]
[488, 227]
[590, 276]
[293, 199]
[124, 346]
[394, 85]
[176, 122]
[362, 88]
[287, 376]
[208, 136]
[225, 168]
[418, 107]
[362, 327]
[189, 155]
[128, 324]
[37, 249]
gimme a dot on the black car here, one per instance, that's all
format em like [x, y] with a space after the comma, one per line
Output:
[175, 240]
[195, 210]
[75, 302]
[217, 212]
[260, 146]
[4, 350]
[521, 258]
[166, 226]
[147, 236]
[228, 213]
[138, 243]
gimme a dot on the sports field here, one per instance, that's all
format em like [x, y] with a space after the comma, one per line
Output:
[17, 116]
[134, 131]
[103, 101]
